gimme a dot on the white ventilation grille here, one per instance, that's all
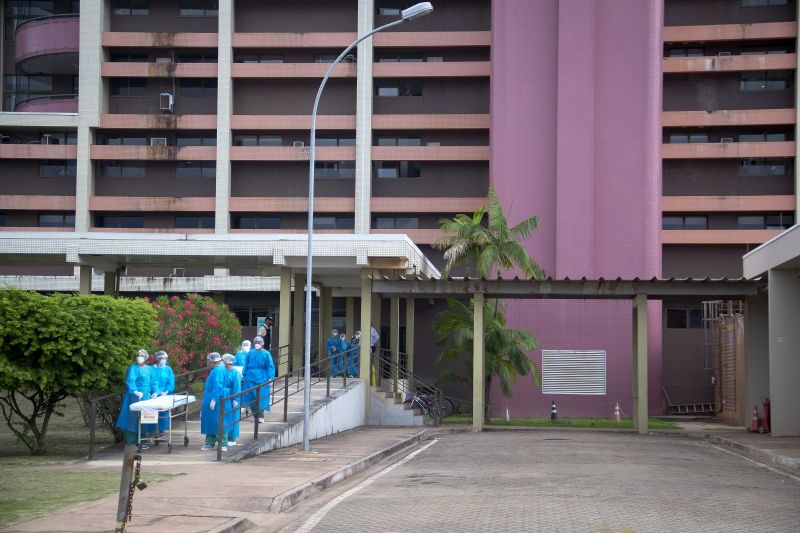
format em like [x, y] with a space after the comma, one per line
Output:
[574, 372]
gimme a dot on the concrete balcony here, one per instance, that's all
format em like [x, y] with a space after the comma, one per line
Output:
[135, 39]
[291, 70]
[728, 150]
[38, 151]
[273, 204]
[430, 153]
[444, 69]
[153, 230]
[342, 39]
[419, 236]
[730, 32]
[158, 70]
[431, 122]
[30, 202]
[53, 103]
[48, 45]
[153, 153]
[425, 205]
[418, 39]
[290, 153]
[729, 63]
[158, 122]
[718, 236]
[730, 117]
[727, 204]
[292, 122]
[151, 204]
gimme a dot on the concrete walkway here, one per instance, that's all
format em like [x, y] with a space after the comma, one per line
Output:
[230, 496]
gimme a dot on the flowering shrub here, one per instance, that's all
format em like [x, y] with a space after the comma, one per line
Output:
[191, 327]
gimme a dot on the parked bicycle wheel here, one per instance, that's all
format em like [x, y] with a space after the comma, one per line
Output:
[446, 406]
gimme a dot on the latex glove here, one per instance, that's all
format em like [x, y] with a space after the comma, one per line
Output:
[138, 394]
[235, 404]
[154, 395]
[163, 393]
[213, 404]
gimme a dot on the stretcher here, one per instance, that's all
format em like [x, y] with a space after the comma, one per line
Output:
[171, 404]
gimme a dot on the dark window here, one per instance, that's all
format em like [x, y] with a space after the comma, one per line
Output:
[751, 222]
[196, 169]
[199, 8]
[197, 87]
[336, 141]
[258, 58]
[396, 222]
[779, 221]
[130, 7]
[764, 167]
[19, 88]
[129, 58]
[683, 138]
[121, 169]
[404, 140]
[57, 168]
[334, 169]
[194, 221]
[764, 3]
[120, 221]
[19, 11]
[126, 141]
[56, 221]
[2, 219]
[257, 140]
[678, 222]
[397, 169]
[685, 52]
[397, 88]
[391, 8]
[197, 58]
[196, 141]
[763, 137]
[59, 137]
[769, 80]
[676, 319]
[256, 222]
[129, 87]
[696, 318]
[400, 58]
[323, 222]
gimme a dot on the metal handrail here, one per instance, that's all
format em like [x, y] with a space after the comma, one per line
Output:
[276, 398]
[46, 97]
[45, 17]
[403, 381]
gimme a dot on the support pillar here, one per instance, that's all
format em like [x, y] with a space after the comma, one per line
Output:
[394, 337]
[350, 315]
[297, 322]
[284, 319]
[325, 318]
[85, 280]
[478, 364]
[639, 378]
[784, 363]
[410, 335]
[376, 319]
[109, 282]
[366, 322]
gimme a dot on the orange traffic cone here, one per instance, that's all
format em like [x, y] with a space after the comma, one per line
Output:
[615, 417]
[754, 426]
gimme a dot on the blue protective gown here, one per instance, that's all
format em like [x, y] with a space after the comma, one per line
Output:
[137, 378]
[163, 381]
[232, 385]
[258, 369]
[351, 359]
[241, 358]
[209, 418]
[334, 356]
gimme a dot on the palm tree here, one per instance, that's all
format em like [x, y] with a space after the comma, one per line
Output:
[494, 246]
[506, 348]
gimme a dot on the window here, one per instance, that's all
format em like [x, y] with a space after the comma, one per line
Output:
[751, 222]
[764, 167]
[397, 169]
[685, 52]
[396, 223]
[196, 169]
[391, 8]
[57, 169]
[764, 3]
[256, 222]
[126, 141]
[194, 221]
[56, 221]
[257, 140]
[683, 138]
[400, 58]
[258, 58]
[130, 7]
[679, 222]
[19, 11]
[684, 318]
[196, 141]
[779, 221]
[397, 89]
[59, 137]
[129, 87]
[762, 137]
[19, 88]
[770, 80]
[129, 58]
[121, 169]
[2, 219]
[334, 169]
[120, 221]
[197, 87]
[323, 222]
[404, 140]
[199, 8]
[336, 141]
[197, 58]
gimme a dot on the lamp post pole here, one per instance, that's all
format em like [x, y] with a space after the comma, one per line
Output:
[413, 12]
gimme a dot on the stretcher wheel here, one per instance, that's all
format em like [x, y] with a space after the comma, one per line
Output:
[169, 448]
[185, 441]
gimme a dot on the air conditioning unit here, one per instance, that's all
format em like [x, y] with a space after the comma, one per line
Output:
[158, 141]
[298, 144]
[178, 272]
[726, 140]
[166, 102]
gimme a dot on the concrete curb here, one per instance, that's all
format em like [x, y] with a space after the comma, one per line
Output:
[762, 456]
[311, 488]
[234, 525]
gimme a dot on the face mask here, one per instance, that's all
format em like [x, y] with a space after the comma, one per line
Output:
[245, 349]
[161, 362]
[258, 346]
[140, 360]
[343, 338]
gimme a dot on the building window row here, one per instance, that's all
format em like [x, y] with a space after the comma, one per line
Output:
[334, 169]
[691, 138]
[684, 318]
[397, 169]
[189, 87]
[766, 80]
[179, 58]
[396, 223]
[50, 137]
[765, 167]
[180, 141]
[58, 168]
[777, 221]
[764, 3]
[680, 222]
[394, 89]
[188, 8]
[56, 220]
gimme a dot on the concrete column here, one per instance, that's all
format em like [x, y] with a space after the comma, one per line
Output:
[784, 362]
[92, 100]
[350, 315]
[377, 319]
[639, 378]
[394, 329]
[756, 340]
[284, 318]
[410, 335]
[326, 318]
[224, 112]
[366, 322]
[85, 280]
[478, 365]
[297, 322]
[364, 89]
[109, 283]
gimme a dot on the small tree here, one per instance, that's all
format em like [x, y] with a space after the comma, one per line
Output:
[59, 346]
[191, 327]
[506, 357]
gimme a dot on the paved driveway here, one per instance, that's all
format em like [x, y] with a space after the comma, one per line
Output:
[555, 481]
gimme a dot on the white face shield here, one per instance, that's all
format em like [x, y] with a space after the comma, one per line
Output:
[246, 346]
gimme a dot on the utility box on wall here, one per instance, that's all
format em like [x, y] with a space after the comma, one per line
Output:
[579, 372]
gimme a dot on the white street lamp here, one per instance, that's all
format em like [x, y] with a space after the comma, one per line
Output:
[414, 12]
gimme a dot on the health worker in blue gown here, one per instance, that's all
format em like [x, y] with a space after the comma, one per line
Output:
[232, 385]
[212, 394]
[353, 356]
[140, 385]
[164, 383]
[333, 345]
[241, 355]
[259, 369]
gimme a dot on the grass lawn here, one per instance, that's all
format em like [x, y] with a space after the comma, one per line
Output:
[654, 423]
[34, 486]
